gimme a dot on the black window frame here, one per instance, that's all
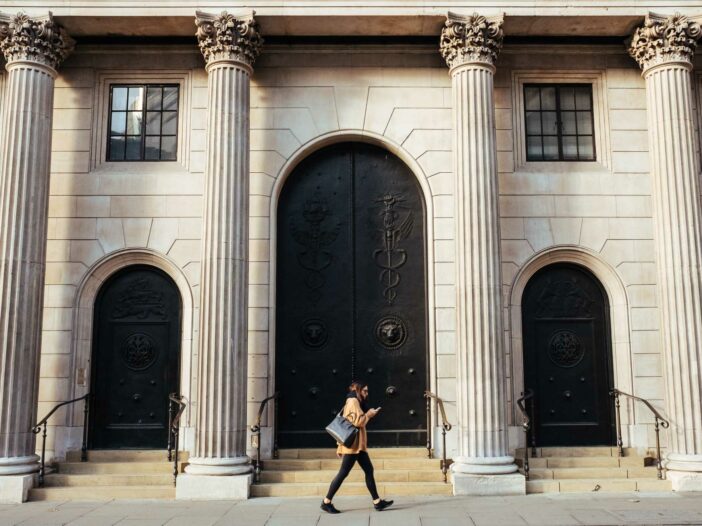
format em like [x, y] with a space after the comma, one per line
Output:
[142, 147]
[559, 124]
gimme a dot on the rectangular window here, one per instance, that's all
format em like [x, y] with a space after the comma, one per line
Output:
[143, 123]
[559, 122]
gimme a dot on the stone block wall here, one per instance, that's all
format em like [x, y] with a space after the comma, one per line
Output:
[306, 96]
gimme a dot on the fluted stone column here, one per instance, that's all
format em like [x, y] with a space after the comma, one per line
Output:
[33, 48]
[220, 467]
[470, 45]
[664, 47]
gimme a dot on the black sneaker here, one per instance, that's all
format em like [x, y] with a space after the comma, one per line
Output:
[329, 508]
[383, 504]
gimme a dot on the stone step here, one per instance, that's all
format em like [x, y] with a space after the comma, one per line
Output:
[586, 462]
[388, 489]
[125, 455]
[115, 468]
[61, 480]
[333, 464]
[578, 451]
[592, 473]
[330, 453]
[597, 485]
[356, 475]
[100, 493]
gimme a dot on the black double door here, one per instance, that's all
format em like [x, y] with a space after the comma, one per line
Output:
[135, 359]
[567, 357]
[351, 295]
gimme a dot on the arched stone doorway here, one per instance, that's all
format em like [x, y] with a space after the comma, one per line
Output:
[351, 294]
[136, 354]
[568, 356]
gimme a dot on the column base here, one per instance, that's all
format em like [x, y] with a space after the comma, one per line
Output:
[218, 466]
[14, 489]
[213, 487]
[511, 484]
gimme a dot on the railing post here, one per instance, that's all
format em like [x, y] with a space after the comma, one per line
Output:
[176, 433]
[532, 428]
[617, 411]
[659, 465]
[42, 466]
[275, 425]
[170, 428]
[444, 466]
[429, 426]
[84, 445]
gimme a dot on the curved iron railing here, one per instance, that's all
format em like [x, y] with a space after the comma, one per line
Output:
[526, 425]
[256, 435]
[445, 427]
[176, 406]
[40, 427]
[660, 421]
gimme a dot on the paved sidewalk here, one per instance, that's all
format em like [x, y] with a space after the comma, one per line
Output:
[537, 510]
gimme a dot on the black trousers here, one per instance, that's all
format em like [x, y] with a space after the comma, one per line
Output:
[347, 462]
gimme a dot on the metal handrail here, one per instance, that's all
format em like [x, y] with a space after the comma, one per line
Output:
[176, 407]
[256, 436]
[660, 421]
[40, 427]
[445, 426]
[526, 425]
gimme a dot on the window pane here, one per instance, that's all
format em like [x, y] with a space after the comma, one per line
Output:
[550, 148]
[567, 98]
[153, 98]
[169, 123]
[136, 98]
[153, 123]
[534, 148]
[118, 122]
[548, 121]
[119, 98]
[568, 122]
[133, 149]
[587, 148]
[152, 148]
[531, 98]
[584, 123]
[170, 98]
[570, 148]
[134, 123]
[168, 148]
[583, 98]
[533, 119]
[548, 98]
[116, 148]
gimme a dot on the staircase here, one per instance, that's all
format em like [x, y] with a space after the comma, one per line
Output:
[588, 469]
[108, 475]
[308, 472]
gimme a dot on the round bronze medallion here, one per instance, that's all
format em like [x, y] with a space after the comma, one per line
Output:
[139, 351]
[314, 333]
[391, 332]
[565, 349]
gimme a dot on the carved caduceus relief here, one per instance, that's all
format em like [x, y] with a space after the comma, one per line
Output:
[315, 238]
[390, 258]
[139, 299]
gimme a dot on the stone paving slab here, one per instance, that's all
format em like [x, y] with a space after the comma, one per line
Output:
[533, 510]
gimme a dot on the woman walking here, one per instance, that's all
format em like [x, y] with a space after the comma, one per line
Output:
[357, 412]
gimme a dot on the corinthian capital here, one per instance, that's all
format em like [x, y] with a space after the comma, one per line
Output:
[664, 39]
[473, 38]
[228, 37]
[34, 39]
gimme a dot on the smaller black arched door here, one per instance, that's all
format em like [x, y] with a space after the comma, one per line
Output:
[567, 357]
[136, 345]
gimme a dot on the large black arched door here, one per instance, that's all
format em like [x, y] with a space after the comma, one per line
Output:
[351, 295]
[567, 356]
[136, 346]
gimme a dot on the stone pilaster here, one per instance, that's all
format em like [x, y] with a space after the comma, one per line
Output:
[664, 48]
[470, 45]
[230, 45]
[33, 48]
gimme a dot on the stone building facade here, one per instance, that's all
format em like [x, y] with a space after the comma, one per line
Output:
[464, 103]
